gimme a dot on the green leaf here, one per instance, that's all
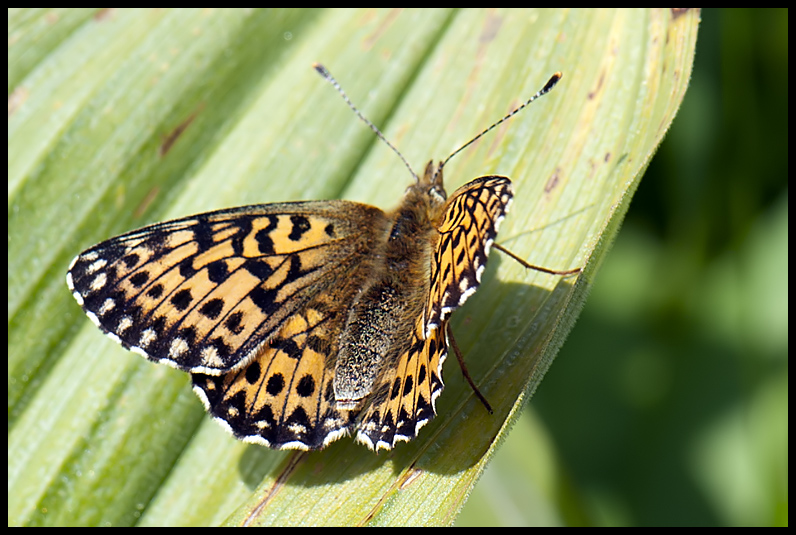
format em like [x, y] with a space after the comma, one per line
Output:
[134, 116]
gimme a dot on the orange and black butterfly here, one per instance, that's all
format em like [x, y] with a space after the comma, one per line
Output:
[303, 322]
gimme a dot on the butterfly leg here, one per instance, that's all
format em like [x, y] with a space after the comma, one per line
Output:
[525, 264]
[466, 374]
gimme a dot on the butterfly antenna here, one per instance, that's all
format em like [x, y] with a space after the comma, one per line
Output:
[546, 89]
[329, 78]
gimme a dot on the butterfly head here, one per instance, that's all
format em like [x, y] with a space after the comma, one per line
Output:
[429, 186]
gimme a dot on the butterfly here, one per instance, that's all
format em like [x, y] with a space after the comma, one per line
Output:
[303, 322]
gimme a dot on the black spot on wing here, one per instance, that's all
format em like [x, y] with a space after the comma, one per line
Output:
[300, 226]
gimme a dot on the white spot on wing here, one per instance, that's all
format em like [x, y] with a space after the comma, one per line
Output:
[140, 351]
[362, 438]
[147, 337]
[108, 305]
[464, 285]
[78, 298]
[114, 337]
[94, 319]
[96, 266]
[99, 282]
[210, 357]
[204, 370]
[297, 428]
[478, 272]
[488, 244]
[72, 264]
[295, 445]
[178, 348]
[334, 435]
[124, 324]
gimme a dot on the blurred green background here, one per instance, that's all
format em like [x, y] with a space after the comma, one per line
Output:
[668, 403]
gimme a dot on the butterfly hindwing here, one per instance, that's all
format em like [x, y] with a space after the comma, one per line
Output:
[404, 398]
[203, 293]
[284, 398]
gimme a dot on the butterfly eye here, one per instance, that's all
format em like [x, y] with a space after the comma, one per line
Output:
[437, 193]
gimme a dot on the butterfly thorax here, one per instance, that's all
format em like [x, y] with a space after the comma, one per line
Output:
[381, 321]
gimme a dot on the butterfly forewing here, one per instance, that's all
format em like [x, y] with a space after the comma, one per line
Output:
[204, 293]
[468, 228]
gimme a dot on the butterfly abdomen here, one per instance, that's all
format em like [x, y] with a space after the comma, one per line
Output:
[368, 338]
[380, 322]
